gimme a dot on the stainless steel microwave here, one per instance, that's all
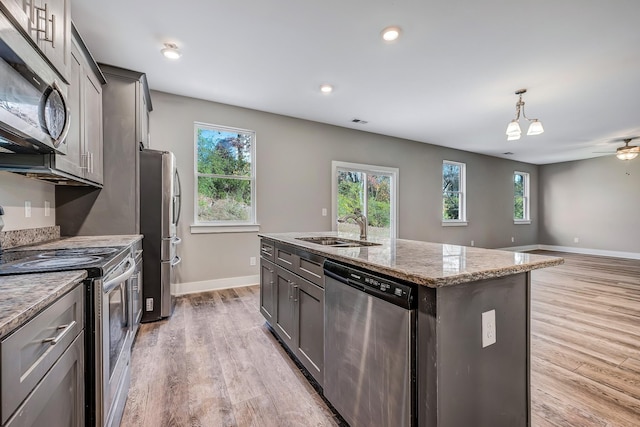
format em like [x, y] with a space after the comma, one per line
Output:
[34, 114]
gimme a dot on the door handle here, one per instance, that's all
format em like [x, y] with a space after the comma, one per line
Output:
[296, 291]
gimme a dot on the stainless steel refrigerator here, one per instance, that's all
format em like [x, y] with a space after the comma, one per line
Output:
[159, 215]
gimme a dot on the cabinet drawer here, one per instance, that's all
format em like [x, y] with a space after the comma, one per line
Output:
[31, 351]
[267, 250]
[310, 269]
[285, 256]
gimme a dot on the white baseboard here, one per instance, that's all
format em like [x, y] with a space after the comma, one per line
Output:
[520, 248]
[213, 285]
[587, 251]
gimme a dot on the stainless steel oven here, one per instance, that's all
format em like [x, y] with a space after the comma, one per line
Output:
[113, 340]
[34, 114]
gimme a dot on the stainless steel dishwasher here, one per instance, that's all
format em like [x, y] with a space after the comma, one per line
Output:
[369, 349]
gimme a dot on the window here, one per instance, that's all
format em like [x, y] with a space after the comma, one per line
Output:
[225, 177]
[521, 197]
[373, 190]
[453, 193]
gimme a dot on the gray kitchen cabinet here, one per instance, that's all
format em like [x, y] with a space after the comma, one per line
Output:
[267, 289]
[58, 400]
[42, 367]
[47, 23]
[115, 209]
[296, 290]
[85, 138]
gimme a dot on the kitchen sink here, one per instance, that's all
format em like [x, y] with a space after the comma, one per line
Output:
[336, 242]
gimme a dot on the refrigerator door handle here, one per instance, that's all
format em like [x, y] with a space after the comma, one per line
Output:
[176, 240]
[177, 260]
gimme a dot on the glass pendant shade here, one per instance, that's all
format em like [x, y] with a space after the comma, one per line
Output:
[626, 155]
[513, 137]
[535, 128]
[513, 128]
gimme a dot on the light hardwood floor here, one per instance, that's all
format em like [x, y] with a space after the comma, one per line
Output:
[216, 364]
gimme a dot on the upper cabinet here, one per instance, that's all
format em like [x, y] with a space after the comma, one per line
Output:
[48, 25]
[85, 138]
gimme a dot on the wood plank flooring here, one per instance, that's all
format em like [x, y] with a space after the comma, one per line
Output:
[216, 364]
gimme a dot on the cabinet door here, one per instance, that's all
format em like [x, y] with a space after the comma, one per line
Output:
[93, 126]
[267, 290]
[58, 400]
[309, 318]
[58, 26]
[144, 119]
[17, 11]
[74, 160]
[284, 311]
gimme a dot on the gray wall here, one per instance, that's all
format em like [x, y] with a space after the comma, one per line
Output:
[595, 200]
[294, 184]
[14, 191]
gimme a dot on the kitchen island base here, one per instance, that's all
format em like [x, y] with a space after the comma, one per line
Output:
[460, 383]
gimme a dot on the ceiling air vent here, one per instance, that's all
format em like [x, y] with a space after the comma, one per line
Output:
[360, 122]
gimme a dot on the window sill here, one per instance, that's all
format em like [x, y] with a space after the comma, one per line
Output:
[215, 229]
[521, 221]
[454, 223]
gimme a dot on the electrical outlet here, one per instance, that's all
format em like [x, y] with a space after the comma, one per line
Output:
[576, 240]
[47, 208]
[324, 211]
[513, 239]
[27, 209]
[473, 243]
[488, 328]
[252, 260]
[149, 306]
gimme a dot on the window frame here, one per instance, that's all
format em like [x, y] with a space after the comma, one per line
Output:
[462, 193]
[526, 196]
[394, 173]
[224, 226]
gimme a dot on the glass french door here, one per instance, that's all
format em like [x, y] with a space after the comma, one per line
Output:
[372, 190]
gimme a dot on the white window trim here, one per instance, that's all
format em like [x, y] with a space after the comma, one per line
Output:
[394, 172]
[527, 197]
[462, 222]
[200, 227]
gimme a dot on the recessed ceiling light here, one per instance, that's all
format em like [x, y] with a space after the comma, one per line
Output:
[171, 51]
[326, 88]
[391, 34]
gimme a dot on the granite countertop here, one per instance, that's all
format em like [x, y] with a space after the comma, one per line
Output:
[429, 264]
[84, 242]
[25, 295]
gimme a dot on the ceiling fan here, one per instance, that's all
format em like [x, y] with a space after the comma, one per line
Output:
[626, 152]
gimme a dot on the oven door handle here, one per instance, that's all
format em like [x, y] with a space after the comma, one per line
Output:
[112, 283]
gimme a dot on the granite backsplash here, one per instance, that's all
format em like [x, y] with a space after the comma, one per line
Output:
[14, 238]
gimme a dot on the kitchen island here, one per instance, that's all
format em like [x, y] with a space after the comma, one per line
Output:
[457, 378]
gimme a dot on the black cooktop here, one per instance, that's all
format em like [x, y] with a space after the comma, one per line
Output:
[95, 260]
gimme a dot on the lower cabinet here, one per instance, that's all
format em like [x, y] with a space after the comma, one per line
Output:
[58, 400]
[42, 367]
[299, 320]
[267, 289]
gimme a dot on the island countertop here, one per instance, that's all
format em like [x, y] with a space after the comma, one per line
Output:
[428, 264]
[23, 296]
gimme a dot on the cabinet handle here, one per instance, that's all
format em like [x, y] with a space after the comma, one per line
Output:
[90, 162]
[37, 17]
[65, 330]
[296, 290]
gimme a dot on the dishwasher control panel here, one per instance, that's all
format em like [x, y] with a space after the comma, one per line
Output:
[392, 290]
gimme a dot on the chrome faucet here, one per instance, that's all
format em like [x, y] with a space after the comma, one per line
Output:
[360, 219]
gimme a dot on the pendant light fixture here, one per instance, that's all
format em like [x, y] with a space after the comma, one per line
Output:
[513, 129]
[628, 152]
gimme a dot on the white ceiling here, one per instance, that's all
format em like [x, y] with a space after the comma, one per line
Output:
[449, 80]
